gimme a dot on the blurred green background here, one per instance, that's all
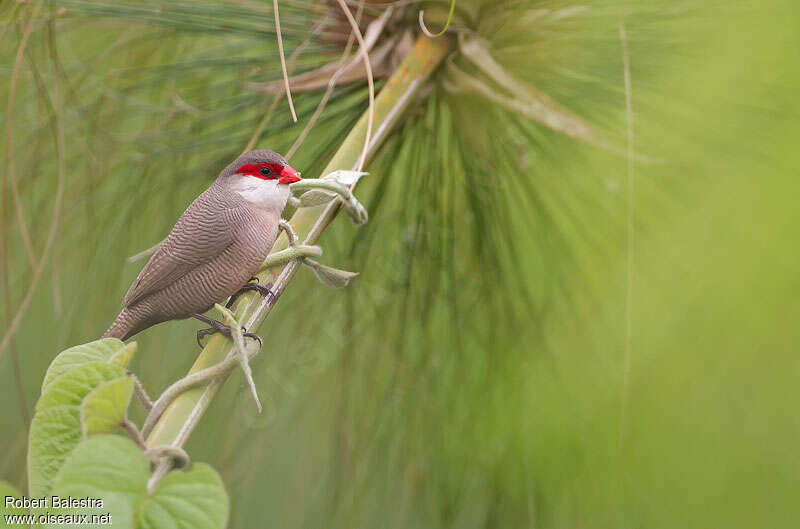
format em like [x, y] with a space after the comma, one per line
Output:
[476, 374]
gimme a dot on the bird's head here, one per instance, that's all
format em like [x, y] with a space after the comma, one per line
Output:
[263, 165]
[262, 178]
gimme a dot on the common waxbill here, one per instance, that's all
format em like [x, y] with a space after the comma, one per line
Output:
[214, 249]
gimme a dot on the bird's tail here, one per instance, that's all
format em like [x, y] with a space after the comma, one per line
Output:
[123, 327]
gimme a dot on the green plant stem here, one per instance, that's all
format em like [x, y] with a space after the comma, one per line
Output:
[181, 416]
[192, 380]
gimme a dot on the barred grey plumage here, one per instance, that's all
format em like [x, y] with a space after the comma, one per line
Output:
[213, 250]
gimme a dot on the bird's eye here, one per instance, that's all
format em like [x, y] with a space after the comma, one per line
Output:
[265, 171]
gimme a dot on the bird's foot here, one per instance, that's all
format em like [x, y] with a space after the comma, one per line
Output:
[261, 289]
[219, 327]
[264, 290]
[223, 329]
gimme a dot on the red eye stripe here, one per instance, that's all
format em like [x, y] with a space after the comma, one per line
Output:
[255, 169]
[248, 168]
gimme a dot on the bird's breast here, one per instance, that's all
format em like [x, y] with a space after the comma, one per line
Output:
[262, 194]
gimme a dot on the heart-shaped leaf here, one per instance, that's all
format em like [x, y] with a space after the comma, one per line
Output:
[56, 428]
[104, 350]
[106, 406]
[113, 469]
[109, 468]
[7, 491]
[194, 499]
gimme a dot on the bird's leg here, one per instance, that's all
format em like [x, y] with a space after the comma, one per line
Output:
[218, 327]
[234, 331]
[261, 289]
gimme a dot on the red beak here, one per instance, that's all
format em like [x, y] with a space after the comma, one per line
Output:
[289, 175]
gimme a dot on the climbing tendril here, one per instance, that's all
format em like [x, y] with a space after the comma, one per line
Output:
[446, 24]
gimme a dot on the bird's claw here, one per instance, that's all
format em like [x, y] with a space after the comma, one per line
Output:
[261, 289]
[254, 336]
[217, 327]
[202, 333]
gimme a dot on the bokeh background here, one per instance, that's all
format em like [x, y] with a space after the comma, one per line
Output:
[479, 372]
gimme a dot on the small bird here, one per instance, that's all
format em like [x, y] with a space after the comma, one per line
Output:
[214, 249]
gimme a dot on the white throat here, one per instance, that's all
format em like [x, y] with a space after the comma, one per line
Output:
[265, 194]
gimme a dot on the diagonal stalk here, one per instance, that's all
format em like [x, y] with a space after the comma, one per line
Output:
[180, 418]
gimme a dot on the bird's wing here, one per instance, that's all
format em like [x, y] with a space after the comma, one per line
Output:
[203, 232]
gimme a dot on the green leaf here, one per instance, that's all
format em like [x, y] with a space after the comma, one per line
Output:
[315, 197]
[6, 490]
[56, 428]
[106, 467]
[344, 177]
[124, 355]
[195, 499]
[104, 409]
[54, 433]
[109, 350]
[113, 469]
[329, 276]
